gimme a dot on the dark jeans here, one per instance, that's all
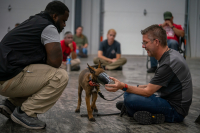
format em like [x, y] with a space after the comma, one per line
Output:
[152, 104]
[173, 44]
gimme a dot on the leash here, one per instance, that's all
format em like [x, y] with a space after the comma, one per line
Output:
[97, 114]
[102, 96]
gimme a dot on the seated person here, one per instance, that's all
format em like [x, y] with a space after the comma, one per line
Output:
[69, 47]
[81, 42]
[110, 53]
[172, 82]
[174, 31]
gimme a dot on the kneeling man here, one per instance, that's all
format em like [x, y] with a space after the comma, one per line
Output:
[172, 82]
[30, 57]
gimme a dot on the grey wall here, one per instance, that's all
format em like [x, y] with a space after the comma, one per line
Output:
[193, 47]
[91, 23]
[23, 9]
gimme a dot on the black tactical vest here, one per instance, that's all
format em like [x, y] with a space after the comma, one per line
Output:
[22, 46]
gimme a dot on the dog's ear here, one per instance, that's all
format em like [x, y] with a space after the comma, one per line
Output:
[99, 66]
[92, 70]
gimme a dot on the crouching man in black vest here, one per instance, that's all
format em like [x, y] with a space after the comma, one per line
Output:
[30, 57]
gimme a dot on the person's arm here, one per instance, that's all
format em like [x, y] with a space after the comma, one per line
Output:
[179, 33]
[51, 40]
[142, 86]
[118, 52]
[149, 90]
[162, 77]
[118, 56]
[85, 42]
[54, 54]
[73, 50]
[85, 45]
[100, 55]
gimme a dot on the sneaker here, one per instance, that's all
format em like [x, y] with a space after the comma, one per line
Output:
[119, 105]
[146, 118]
[20, 117]
[151, 70]
[6, 108]
[75, 68]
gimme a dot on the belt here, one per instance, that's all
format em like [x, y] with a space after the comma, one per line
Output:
[2, 82]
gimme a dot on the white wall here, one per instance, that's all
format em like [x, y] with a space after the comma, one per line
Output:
[126, 17]
[22, 10]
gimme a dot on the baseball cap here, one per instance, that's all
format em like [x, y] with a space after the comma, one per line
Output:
[167, 15]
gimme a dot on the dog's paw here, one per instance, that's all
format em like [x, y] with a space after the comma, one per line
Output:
[95, 110]
[92, 119]
[77, 111]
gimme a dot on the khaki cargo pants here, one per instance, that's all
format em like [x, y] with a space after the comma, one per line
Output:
[109, 65]
[36, 89]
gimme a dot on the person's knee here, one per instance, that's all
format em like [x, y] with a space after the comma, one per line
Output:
[124, 60]
[130, 99]
[172, 43]
[96, 60]
[78, 61]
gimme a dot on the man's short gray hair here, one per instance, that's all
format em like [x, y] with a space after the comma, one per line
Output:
[156, 32]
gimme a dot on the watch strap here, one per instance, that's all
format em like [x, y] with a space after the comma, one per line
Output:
[125, 87]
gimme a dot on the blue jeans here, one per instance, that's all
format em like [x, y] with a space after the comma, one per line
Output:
[173, 44]
[84, 50]
[152, 104]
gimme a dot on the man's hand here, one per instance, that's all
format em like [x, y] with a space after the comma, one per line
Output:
[113, 60]
[64, 62]
[71, 46]
[85, 46]
[167, 23]
[114, 87]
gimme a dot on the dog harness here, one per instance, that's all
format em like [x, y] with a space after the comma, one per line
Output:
[92, 83]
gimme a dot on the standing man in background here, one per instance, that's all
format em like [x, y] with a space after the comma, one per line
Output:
[30, 57]
[110, 53]
[173, 31]
[69, 47]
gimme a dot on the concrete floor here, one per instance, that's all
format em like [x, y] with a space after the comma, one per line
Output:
[62, 119]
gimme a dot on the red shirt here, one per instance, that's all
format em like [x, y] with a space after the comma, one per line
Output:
[66, 49]
[170, 32]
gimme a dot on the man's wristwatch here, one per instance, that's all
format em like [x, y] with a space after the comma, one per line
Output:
[125, 87]
[172, 27]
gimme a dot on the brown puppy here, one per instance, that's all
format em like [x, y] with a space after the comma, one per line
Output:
[84, 77]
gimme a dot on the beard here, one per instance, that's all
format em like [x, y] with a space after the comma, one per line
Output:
[57, 23]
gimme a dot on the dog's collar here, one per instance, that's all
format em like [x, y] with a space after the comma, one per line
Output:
[92, 83]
